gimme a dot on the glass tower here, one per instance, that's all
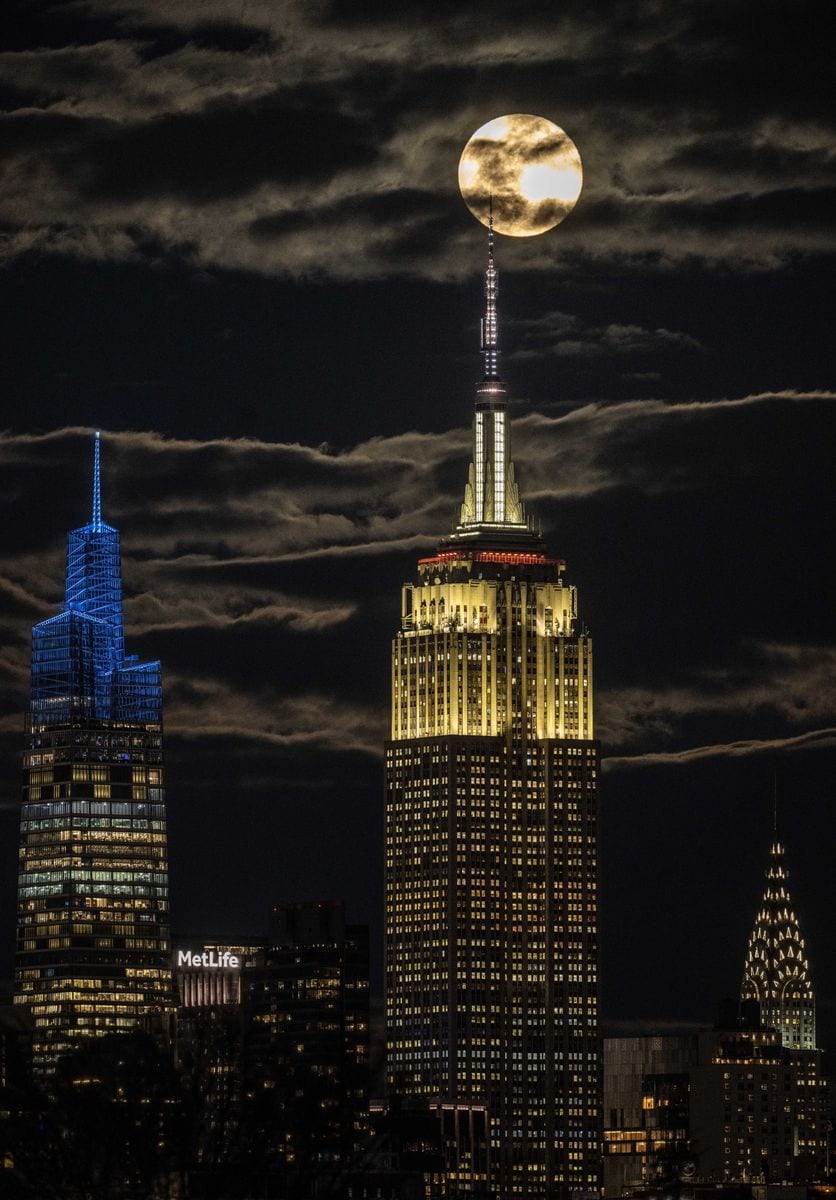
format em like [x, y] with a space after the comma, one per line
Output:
[491, 859]
[93, 925]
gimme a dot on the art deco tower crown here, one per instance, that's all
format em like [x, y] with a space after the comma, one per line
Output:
[776, 973]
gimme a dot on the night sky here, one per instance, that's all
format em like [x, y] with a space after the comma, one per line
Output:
[233, 241]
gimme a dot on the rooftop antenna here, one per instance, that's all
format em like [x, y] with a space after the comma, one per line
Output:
[97, 484]
[490, 330]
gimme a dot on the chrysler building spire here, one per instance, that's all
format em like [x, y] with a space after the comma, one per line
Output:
[776, 972]
[492, 506]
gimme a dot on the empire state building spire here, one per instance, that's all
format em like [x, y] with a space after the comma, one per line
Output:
[492, 508]
[776, 972]
[490, 330]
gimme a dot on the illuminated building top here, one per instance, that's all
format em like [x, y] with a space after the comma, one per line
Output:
[79, 666]
[776, 973]
[492, 509]
[94, 578]
[470, 596]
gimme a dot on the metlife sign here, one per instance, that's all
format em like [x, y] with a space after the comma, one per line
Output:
[215, 960]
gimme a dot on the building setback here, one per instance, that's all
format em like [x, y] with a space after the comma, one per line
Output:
[93, 917]
[491, 862]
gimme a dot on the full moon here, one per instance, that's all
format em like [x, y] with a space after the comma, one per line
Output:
[527, 167]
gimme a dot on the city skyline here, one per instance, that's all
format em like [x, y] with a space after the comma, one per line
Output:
[668, 363]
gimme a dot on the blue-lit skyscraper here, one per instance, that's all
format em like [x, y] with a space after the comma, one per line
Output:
[93, 924]
[79, 668]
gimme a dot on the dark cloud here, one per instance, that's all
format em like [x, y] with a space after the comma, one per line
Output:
[33, 131]
[823, 739]
[794, 682]
[564, 335]
[39, 24]
[222, 151]
[391, 209]
[372, 12]
[764, 161]
[807, 211]
[227, 37]
[748, 59]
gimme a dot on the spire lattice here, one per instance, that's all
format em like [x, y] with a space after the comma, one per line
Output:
[490, 323]
[97, 485]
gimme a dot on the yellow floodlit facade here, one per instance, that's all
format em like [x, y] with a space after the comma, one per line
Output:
[455, 670]
[491, 854]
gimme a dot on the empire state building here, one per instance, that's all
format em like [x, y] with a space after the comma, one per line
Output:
[491, 862]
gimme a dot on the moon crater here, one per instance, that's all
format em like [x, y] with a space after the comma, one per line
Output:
[525, 169]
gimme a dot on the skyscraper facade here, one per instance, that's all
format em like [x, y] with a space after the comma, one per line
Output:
[725, 1105]
[776, 972]
[491, 859]
[93, 919]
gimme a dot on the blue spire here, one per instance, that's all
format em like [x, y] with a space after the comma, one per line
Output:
[97, 485]
[94, 570]
[79, 667]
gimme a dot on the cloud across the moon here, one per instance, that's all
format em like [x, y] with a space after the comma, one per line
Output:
[527, 167]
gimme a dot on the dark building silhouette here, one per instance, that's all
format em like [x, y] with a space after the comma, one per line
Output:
[15, 1050]
[729, 1105]
[307, 1034]
[272, 1035]
[420, 1149]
